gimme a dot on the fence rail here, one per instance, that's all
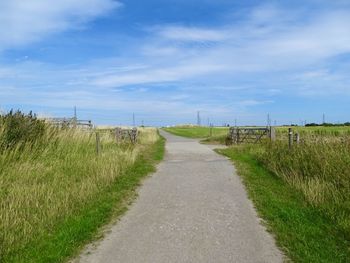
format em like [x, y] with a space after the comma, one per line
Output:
[71, 122]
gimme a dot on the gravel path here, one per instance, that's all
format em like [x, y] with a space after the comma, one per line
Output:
[193, 209]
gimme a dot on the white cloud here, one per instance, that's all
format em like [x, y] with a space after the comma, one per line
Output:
[157, 75]
[269, 40]
[182, 33]
[22, 22]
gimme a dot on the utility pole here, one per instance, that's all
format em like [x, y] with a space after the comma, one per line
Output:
[323, 118]
[268, 120]
[133, 119]
[75, 112]
[208, 122]
[235, 122]
[75, 119]
[198, 118]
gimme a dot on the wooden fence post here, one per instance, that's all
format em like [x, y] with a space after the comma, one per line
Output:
[272, 133]
[290, 137]
[134, 135]
[98, 146]
[297, 138]
[118, 135]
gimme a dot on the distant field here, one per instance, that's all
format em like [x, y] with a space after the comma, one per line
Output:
[219, 133]
[209, 135]
[303, 193]
[320, 130]
[197, 131]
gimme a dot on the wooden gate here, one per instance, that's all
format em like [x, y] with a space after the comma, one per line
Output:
[70, 123]
[125, 134]
[237, 135]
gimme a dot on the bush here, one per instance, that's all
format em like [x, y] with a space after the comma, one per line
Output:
[17, 128]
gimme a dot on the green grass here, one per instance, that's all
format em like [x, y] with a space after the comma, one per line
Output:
[209, 135]
[304, 231]
[54, 199]
[318, 131]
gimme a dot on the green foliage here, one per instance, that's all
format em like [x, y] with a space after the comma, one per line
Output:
[19, 128]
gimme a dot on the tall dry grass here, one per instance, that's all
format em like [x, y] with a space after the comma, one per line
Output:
[44, 182]
[319, 168]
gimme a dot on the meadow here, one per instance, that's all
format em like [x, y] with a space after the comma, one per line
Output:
[303, 193]
[55, 191]
[207, 134]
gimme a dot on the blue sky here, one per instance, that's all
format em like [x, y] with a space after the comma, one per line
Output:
[165, 60]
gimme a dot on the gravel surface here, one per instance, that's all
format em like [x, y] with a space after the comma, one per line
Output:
[193, 209]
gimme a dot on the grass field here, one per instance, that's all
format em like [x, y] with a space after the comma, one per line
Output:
[316, 131]
[56, 192]
[209, 135]
[303, 193]
[218, 134]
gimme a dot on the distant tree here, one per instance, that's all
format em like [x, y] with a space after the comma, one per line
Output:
[311, 124]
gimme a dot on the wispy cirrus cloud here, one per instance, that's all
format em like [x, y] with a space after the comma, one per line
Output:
[265, 41]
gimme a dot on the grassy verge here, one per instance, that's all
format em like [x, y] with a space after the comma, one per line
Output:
[214, 135]
[305, 231]
[55, 196]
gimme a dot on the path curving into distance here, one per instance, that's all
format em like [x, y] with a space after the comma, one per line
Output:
[193, 209]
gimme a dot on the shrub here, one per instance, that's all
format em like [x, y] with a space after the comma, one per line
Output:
[17, 128]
